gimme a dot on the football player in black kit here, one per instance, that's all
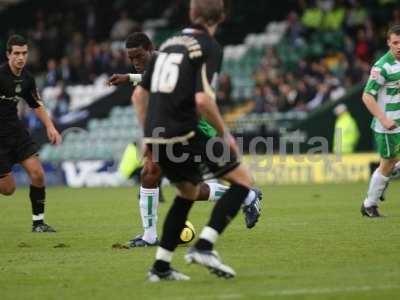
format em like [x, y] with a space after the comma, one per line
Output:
[16, 145]
[176, 88]
[140, 50]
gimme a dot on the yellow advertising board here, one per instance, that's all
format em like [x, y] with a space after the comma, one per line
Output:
[300, 169]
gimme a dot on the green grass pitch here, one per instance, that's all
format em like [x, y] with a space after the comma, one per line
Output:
[311, 243]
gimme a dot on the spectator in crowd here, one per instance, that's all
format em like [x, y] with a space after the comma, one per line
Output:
[66, 73]
[294, 29]
[122, 27]
[52, 74]
[356, 16]
[259, 98]
[395, 17]
[363, 48]
[328, 51]
[347, 133]
[312, 15]
[334, 15]
[62, 105]
[331, 45]
[91, 22]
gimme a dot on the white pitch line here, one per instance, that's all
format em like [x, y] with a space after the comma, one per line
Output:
[316, 291]
[298, 292]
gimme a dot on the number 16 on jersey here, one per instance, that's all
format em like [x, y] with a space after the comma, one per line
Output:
[166, 72]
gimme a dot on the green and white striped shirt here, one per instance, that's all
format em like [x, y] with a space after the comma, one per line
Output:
[384, 85]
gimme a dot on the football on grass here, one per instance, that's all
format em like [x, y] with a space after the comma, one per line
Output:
[188, 233]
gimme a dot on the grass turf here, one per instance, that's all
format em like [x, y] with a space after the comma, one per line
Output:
[311, 243]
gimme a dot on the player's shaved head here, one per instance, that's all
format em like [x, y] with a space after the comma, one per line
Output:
[208, 12]
[138, 39]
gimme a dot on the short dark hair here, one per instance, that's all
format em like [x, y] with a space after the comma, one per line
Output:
[395, 29]
[209, 12]
[138, 39]
[15, 40]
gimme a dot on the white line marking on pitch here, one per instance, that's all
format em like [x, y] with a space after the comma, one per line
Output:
[305, 291]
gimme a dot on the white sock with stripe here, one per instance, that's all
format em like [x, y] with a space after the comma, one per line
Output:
[377, 185]
[216, 190]
[148, 204]
[250, 198]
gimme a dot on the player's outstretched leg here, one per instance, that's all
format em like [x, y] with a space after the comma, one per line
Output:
[37, 194]
[252, 207]
[395, 174]
[224, 211]
[378, 183]
[148, 205]
[213, 191]
[173, 225]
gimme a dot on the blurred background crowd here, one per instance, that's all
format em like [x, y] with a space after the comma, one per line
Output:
[327, 48]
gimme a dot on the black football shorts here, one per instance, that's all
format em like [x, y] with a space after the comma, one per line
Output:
[196, 160]
[15, 149]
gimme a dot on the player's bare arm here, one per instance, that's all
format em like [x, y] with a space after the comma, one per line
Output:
[208, 108]
[118, 79]
[52, 133]
[375, 110]
[140, 99]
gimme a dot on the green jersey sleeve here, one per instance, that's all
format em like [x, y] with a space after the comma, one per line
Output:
[375, 81]
[206, 128]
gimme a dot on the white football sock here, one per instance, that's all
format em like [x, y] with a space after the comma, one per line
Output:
[216, 190]
[164, 254]
[148, 204]
[250, 197]
[396, 170]
[39, 217]
[377, 185]
[209, 234]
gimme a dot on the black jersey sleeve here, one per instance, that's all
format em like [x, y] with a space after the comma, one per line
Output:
[32, 96]
[146, 80]
[207, 72]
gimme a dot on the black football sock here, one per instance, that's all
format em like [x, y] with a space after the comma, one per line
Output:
[224, 211]
[175, 222]
[173, 225]
[37, 196]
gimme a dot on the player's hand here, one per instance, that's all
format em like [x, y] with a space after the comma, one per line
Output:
[118, 79]
[388, 123]
[54, 136]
